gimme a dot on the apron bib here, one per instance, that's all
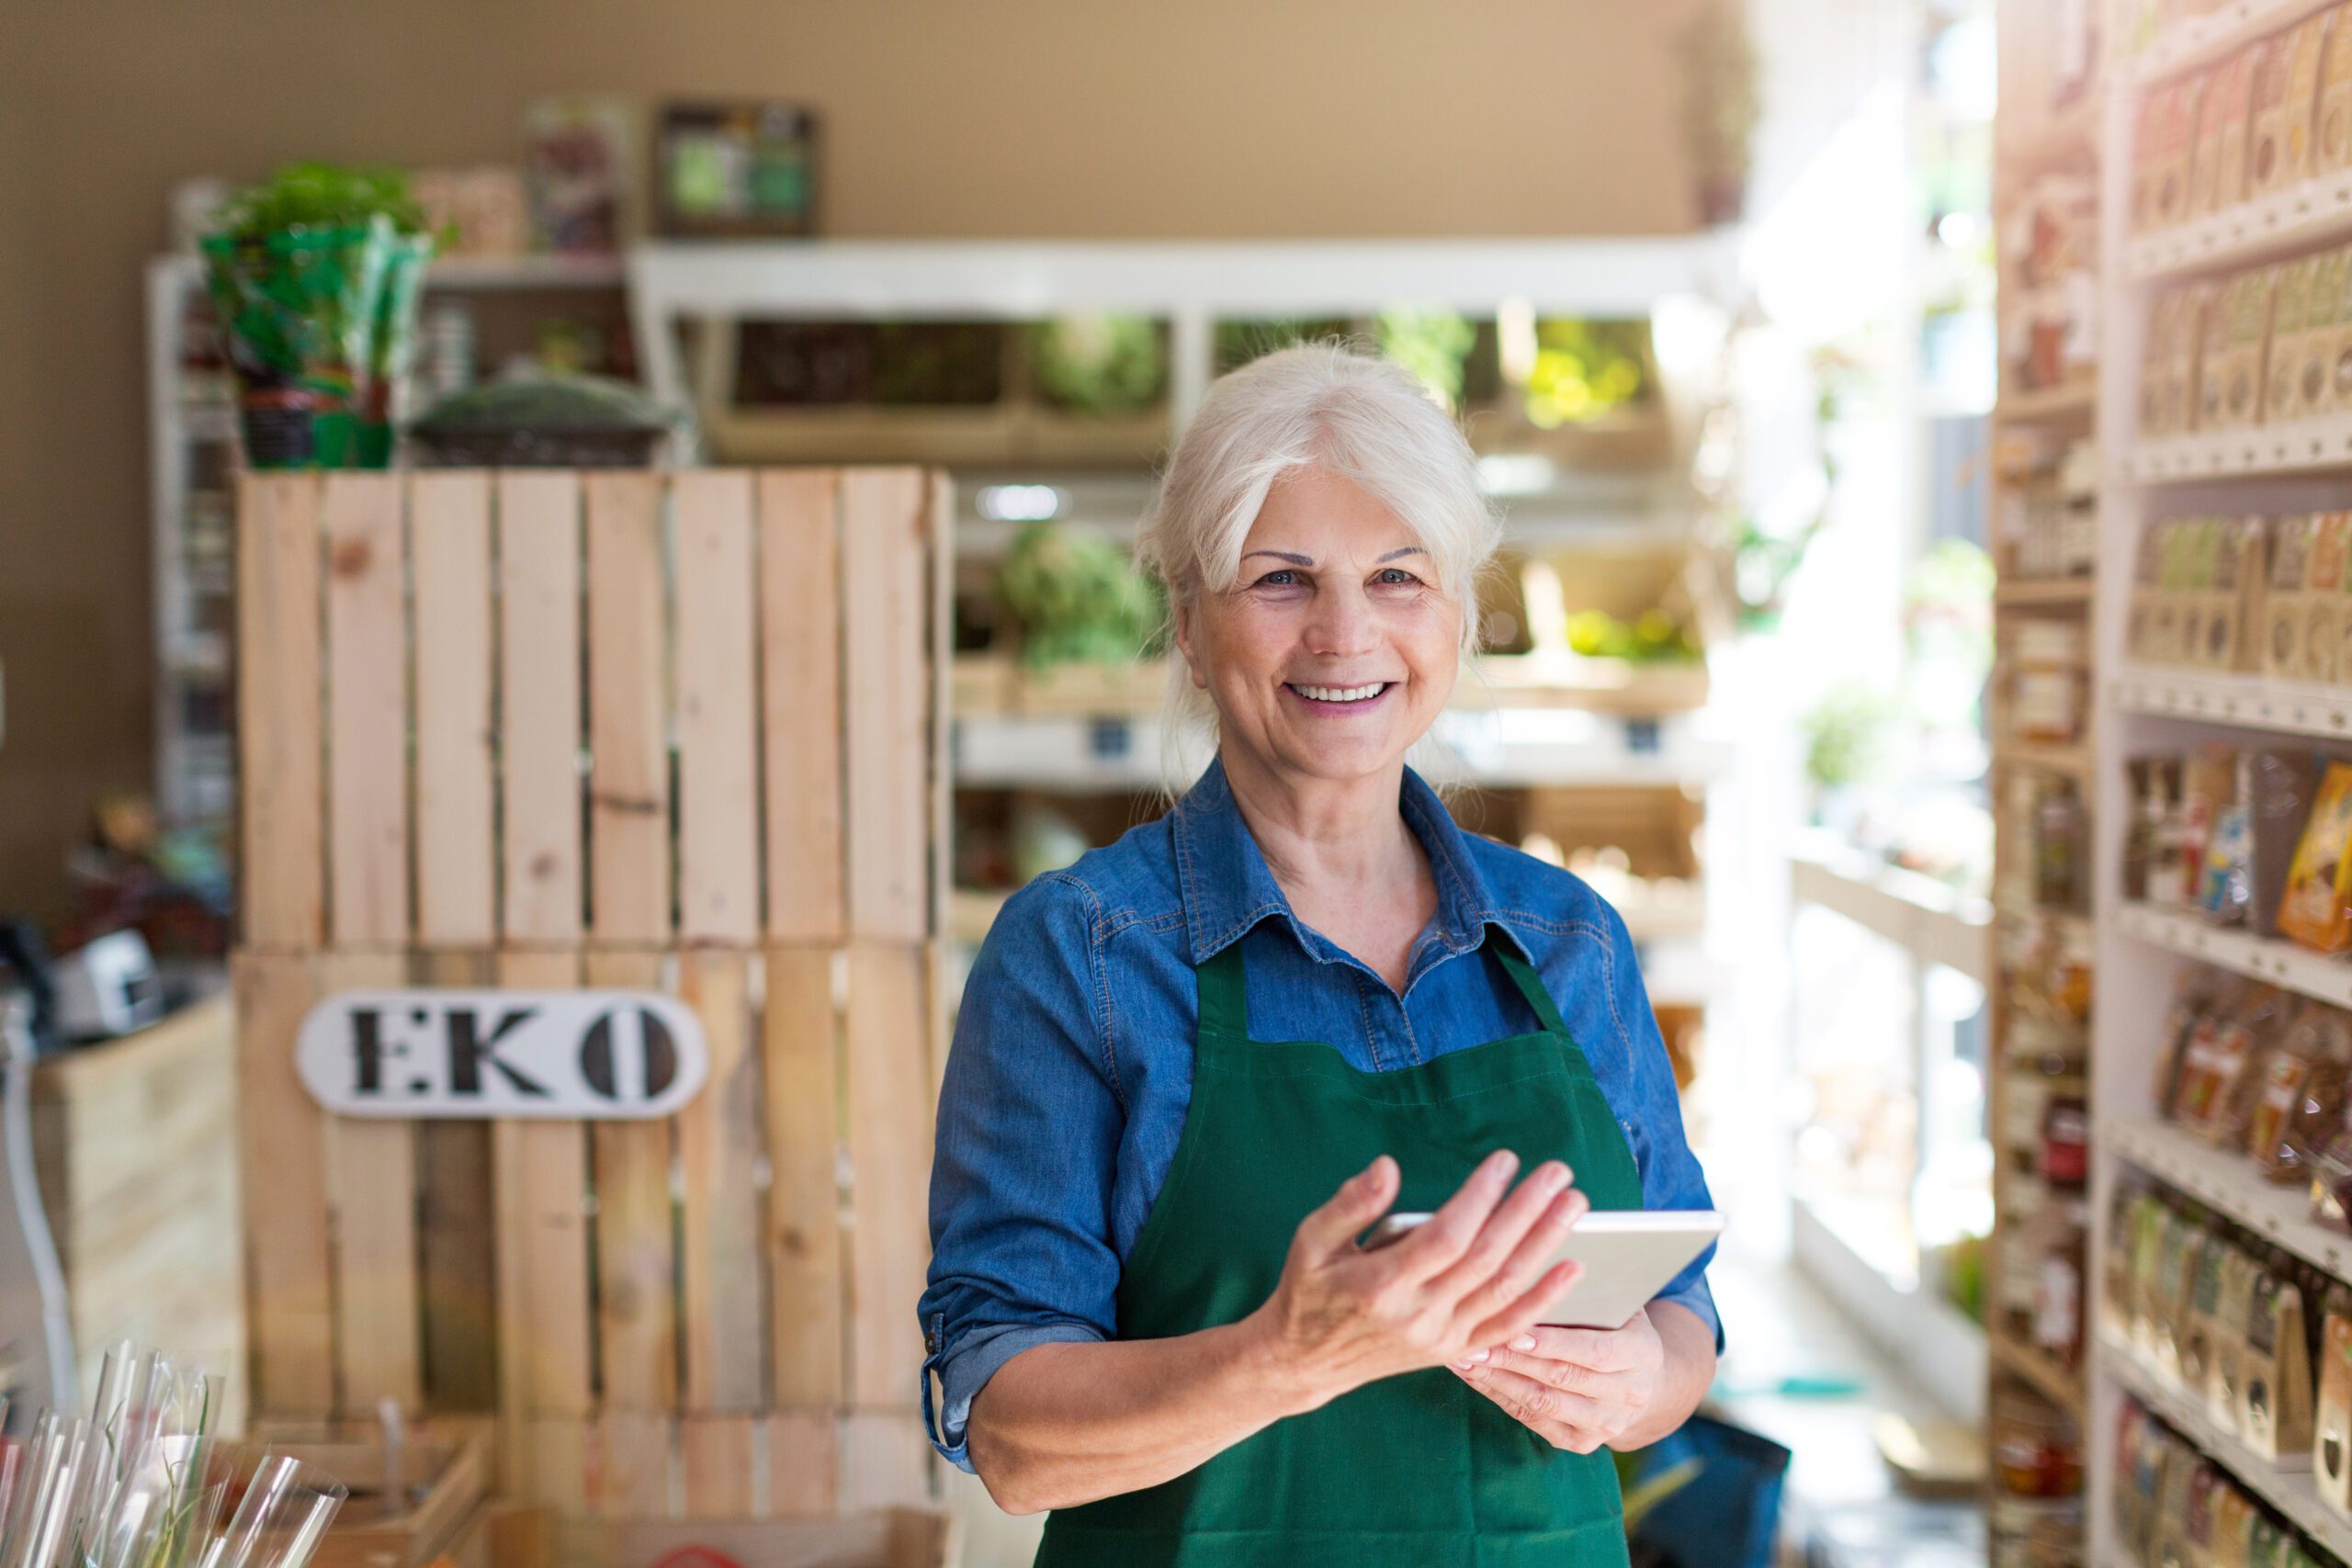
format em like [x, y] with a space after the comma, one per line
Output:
[1419, 1470]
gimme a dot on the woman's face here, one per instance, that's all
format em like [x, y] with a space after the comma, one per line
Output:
[1334, 651]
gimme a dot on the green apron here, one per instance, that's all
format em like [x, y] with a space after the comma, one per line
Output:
[1420, 1471]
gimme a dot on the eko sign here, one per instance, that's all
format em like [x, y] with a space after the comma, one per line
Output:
[575, 1056]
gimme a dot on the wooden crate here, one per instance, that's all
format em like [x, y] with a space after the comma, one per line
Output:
[548, 729]
[135, 1143]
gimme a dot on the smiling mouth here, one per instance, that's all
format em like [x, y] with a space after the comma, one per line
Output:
[1339, 696]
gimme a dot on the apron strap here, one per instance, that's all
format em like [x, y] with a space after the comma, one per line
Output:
[1530, 985]
[1225, 1006]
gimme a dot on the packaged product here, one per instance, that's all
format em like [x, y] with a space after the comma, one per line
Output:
[2184, 1242]
[2332, 1424]
[2283, 646]
[2163, 411]
[2275, 1411]
[2316, 347]
[2209, 781]
[2277, 787]
[2290, 319]
[2156, 175]
[2317, 901]
[2225, 1389]
[2303, 1091]
[2200, 303]
[2232, 1537]
[2340, 338]
[2116, 1299]
[2322, 597]
[2286, 92]
[2259, 1023]
[2269, 1545]
[2204, 1319]
[2332, 144]
[2217, 162]
[2200, 546]
[2151, 1222]
[2235, 339]
[2197, 992]
[2234, 605]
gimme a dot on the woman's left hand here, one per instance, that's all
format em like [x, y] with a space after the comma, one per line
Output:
[1579, 1389]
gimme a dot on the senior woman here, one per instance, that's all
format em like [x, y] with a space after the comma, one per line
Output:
[1192, 1069]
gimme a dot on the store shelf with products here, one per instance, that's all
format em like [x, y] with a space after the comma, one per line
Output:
[2303, 217]
[2060, 1385]
[2292, 1491]
[2191, 38]
[2249, 702]
[2190, 935]
[2232, 1186]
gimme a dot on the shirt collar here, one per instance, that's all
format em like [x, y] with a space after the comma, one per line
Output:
[1228, 887]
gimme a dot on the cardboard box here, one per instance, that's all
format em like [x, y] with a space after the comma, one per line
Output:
[2282, 402]
[2217, 162]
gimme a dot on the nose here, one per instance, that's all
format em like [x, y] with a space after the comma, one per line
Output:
[1342, 622]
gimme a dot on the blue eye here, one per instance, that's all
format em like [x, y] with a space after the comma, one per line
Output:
[1283, 578]
[1396, 575]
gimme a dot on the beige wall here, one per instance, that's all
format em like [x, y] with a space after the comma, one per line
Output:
[1045, 117]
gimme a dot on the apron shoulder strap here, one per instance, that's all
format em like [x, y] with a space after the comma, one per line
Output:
[1225, 1006]
[1530, 983]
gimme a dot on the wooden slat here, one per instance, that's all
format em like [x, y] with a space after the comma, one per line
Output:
[804, 1464]
[799, 1042]
[800, 659]
[539, 573]
[886, 720]
[635, 1470]
[887, 1061]
[540, 1192]
[457, 1244]
[367, 645]
[289, 1299]
[629, 827]
[371, 1191]
[556, 1463]
[885, 1461]
[718, 765]
[719, 1155]
[716, 1452]
[456, 876]
[282, 896]
[637, 1307]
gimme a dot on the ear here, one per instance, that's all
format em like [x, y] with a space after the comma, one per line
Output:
[1185, 627]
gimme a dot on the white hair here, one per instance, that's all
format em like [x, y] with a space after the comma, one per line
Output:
[1330, 406]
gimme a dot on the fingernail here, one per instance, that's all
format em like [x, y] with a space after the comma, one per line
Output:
[1553, 1175]
[1505, 1161]
[1524, 1342]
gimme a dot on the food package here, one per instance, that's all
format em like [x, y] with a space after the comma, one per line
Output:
[2203, 1322]
[2332, 1425]
[2217, 162]
[2307, 52]
[2319, 892]
[2339, 334]
[2154, 159]
[2318, 344]
[2237, 336]
[2185, 382]
[2269, 1545]
[2205, 1488]
[2197, 992]
[2221, 894]
[2209, 781]
[2225, 1389]
[2286, 92]
[2200, 544]
[2323, 598]
[2183, 1242]
[2302, 1093]
[2232, 1538]
[2290, 320]
[2277, 787]
[2283, 605]
[2150, 1223]
[2169, 625]
[2147, 584]
[2163, 411]
[2233, 611]
[2275, 1409]
[2258, 1024]
[2116, 1307]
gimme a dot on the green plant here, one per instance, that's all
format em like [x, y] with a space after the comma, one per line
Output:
[1584, 370]
[1077, 598]
[1103, 362]
[1720, 107]
[1654, 637]
[1848, 733]
[321, 196]
[1430, 342]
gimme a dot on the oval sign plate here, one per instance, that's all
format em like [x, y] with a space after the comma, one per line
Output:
[571, 1056]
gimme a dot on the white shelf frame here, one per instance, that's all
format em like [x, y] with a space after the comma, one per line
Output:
[2305, 446]
[2307, 216]
[2187, 935]
[2246, 702]
[2200, 40]
[2230, 1185]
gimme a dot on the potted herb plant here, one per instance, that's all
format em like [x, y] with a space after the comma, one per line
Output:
[314, 275]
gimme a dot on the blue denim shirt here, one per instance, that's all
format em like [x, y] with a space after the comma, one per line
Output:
[1067, 1084]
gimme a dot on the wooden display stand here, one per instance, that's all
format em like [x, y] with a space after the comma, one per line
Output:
[548, 729]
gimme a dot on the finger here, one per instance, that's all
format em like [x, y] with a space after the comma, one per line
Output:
[1521, 1315]
[1569, 1376]
[1538, 1399]
[1361, 1199]
[1560, 1433]
[1485, 1287]
[1447, 1234]
[1602, 1350]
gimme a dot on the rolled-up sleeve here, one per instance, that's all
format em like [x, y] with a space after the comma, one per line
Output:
[1024, 1154]
[1653, 1113]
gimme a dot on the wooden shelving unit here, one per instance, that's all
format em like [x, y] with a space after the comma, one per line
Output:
[2035, 429]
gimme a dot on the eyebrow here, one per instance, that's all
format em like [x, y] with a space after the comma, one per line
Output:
[1310, 560]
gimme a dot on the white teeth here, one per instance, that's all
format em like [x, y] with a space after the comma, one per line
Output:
[1340, 693]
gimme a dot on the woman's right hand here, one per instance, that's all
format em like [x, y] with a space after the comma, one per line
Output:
[1470, 1278]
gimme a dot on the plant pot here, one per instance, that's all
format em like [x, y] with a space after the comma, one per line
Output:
[297, 313]
[392, 346]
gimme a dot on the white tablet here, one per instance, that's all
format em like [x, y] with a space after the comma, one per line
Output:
[1629, 1256]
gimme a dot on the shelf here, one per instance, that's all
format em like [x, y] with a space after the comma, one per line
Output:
[2025, 592]
[2308, 447]
[1922, 916]
[2293, 1492]
[2229, 1185]
[2078, 762]
[2199, 40]
[2301, 217]
[2263, 958]
[527, 272]
[2250, 702]
[2074, 402]
[2054, 1382]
